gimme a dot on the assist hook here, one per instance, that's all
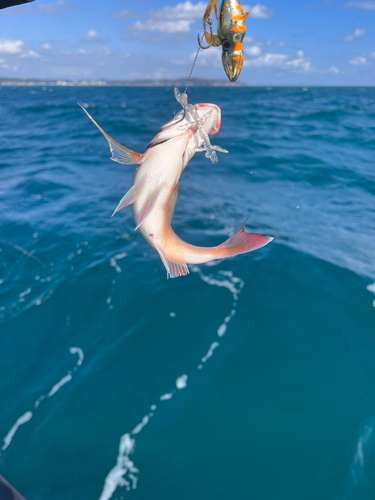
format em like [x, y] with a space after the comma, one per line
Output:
[209, 22]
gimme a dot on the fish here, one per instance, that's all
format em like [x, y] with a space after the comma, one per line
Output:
[154, 190]
[231, 30]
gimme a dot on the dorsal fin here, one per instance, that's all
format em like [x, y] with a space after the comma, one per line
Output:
[121, 154]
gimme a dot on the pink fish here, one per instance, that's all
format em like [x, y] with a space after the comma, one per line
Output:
[153, 194]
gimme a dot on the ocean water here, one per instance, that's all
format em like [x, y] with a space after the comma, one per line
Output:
[251, 378]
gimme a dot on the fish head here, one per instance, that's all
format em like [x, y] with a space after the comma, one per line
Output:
[210, 114]
[232, 58]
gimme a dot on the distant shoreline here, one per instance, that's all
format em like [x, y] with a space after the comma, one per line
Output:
[194, 82]
[179, 82]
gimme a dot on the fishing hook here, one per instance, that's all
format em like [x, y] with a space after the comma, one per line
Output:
[209, 22]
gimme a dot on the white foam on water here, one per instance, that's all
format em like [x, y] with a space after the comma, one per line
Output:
[165, 397]
[113, 261]
[181, 382]
[222, 329]
[38, 401]
[371, 288]
[140, 426]
[28, 415]
[210, 351]
[20, 421]
[364, 445]
[230, 284]
[23, 294]
[81, 356]
[59, 384]
[124, 465]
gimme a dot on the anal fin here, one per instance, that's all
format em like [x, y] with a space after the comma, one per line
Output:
[173, 269]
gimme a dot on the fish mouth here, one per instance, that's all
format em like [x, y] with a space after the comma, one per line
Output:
[232, 63]
[217, 113]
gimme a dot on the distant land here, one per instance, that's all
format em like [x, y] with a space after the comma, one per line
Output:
[179, 82]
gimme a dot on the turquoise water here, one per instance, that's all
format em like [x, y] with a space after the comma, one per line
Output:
[253, 378]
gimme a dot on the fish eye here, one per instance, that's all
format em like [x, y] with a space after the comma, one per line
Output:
[226, 45]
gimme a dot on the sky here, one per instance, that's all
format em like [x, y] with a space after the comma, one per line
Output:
[287, 43]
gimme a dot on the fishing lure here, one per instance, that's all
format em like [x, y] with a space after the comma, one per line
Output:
[231, 30]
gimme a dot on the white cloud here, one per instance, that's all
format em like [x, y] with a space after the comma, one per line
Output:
[11, 46]
[16, 48]
[299, 64]
[361, 5]
[46, 46]
[173, 20]
[253, 51]
[333, 70]
[259, 11]
[53, 8]
[30, 53]
[125, 14]
[358, 33]
[358, 61]
[92, 37]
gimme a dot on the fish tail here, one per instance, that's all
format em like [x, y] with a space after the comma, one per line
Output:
[176, 253]
[241, 242]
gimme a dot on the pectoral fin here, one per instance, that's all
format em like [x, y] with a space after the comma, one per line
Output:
[148, 205]
[172, 203]
[131, 195]
[121, 154]
[246, 14]
[215, 39]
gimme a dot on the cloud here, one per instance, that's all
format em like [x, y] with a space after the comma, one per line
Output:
[253, 51]
[16, 48]
[333, 70]
[299, 64]
[173, 20]
[53, 8]
[361, 5]
[46, 46]
[92, 37]
[30, 53]
[358, 61]
[11, 46]
[357, 34]
[125, 14]
[259, 11]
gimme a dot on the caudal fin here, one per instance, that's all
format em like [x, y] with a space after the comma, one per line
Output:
[242, 242]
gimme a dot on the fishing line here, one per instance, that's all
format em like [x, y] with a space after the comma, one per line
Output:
[209, 21]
